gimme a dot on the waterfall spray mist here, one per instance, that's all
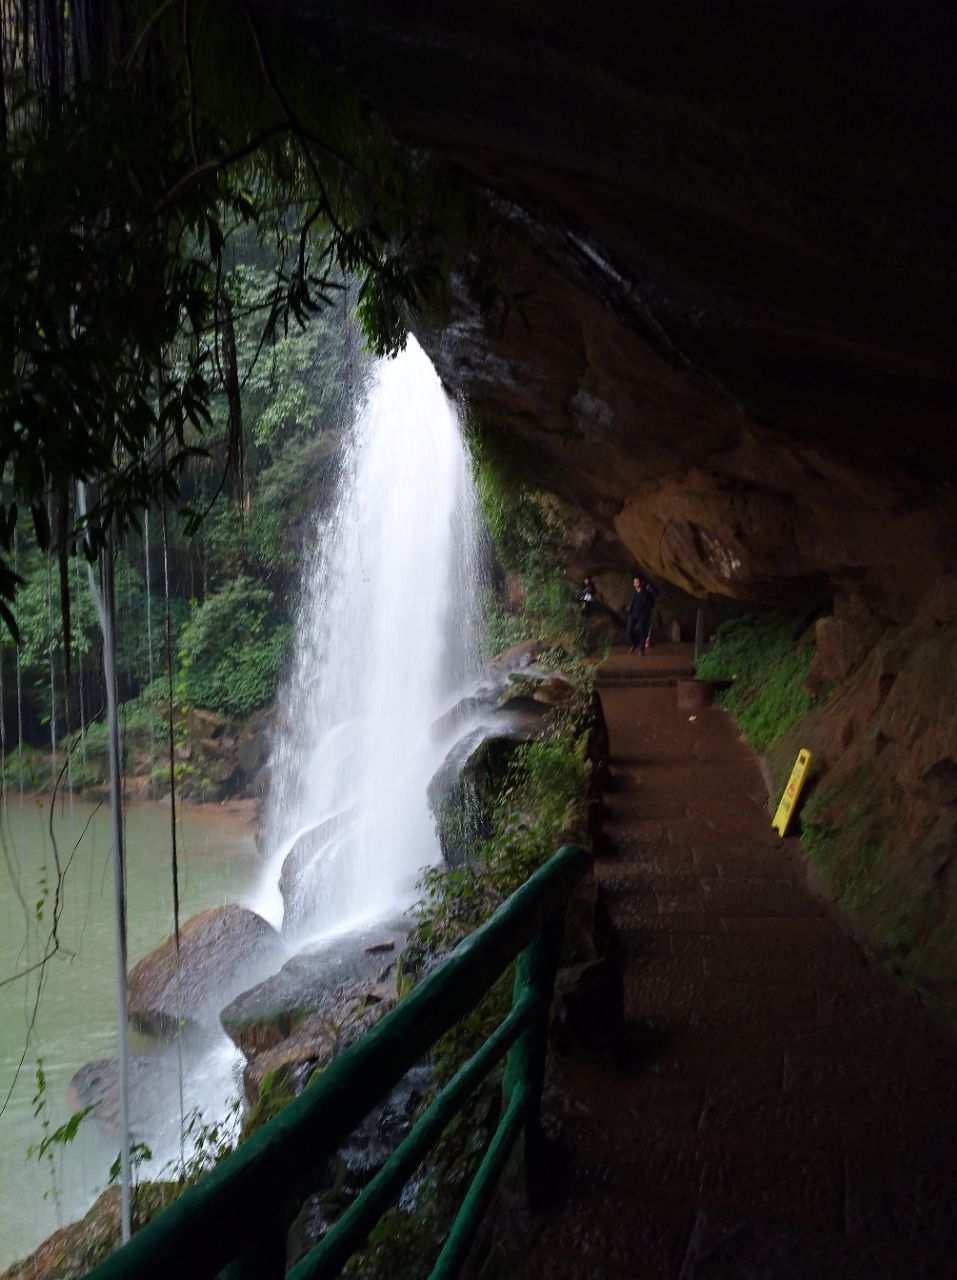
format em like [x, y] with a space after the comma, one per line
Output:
[388, 639]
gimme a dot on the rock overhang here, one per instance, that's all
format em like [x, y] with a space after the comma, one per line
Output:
[728, 228]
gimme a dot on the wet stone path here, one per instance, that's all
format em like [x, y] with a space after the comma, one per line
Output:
[781, 1108]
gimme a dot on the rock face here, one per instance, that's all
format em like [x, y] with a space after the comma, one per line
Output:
[306, 870]
[882, 815]
[359, 1159]
[727, 227]
[222, 950]
[227, 761]
[322, 983]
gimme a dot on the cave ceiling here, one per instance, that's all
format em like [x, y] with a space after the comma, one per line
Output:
[732, 230]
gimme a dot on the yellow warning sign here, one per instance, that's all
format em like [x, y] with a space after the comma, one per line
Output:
[792, 791]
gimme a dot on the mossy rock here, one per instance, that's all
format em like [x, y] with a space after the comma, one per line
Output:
[463, 792]
[75, 1249]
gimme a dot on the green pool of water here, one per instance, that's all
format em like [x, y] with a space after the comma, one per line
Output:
[75, 1019]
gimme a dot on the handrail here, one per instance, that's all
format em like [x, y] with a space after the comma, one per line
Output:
[240, 1212]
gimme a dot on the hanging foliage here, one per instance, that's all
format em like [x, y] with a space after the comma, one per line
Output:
[136, 139]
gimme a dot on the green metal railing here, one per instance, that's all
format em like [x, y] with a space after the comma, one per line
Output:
[239, 1215]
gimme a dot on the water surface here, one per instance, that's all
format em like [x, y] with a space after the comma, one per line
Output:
[76, 1015]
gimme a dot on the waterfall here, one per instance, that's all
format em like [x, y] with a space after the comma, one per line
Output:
[19, 693]
[387, 642]
[149, 631]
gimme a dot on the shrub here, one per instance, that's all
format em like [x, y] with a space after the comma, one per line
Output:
[232, 650]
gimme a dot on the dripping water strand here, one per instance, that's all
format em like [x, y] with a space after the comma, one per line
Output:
[19, 709]
[50, 653]
[10, 855]
[105, 605]
[79, 667]
[149, 634]
[174, 849]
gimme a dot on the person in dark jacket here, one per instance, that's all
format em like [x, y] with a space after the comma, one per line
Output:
[639, 614]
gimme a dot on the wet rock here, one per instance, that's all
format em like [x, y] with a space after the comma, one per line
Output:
[318, 1039]
[308, 868]
[556, 691]
[463, 789]
[359, 1159]
[370, 1146]
[464, 711]
[313, 1043]
[331, 982]
[222, 950]
[153, 1089]
[517, 656]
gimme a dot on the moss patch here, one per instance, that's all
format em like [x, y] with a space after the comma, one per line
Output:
[768, 665]
[275, 1092]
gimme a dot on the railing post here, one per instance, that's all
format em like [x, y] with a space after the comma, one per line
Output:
[535, 972]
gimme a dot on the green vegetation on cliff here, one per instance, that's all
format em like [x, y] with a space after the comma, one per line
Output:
[876, 830]
[528, 527]
[768, 664]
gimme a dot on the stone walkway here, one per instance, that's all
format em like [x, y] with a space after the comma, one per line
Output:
[782, 1108]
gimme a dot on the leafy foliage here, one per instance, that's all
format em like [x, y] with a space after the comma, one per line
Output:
[527, 526]
[171, 133]
[232, 649]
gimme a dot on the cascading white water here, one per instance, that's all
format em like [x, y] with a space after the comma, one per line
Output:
[388, 640]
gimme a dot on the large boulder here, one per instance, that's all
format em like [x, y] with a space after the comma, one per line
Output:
[517, 656]
[321, 982]
[464, 712]
[153, 1089]
[556, 690]
[221, 952]
[462, 791]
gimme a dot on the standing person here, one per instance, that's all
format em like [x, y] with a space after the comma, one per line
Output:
[639, 613]
[589, 594]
